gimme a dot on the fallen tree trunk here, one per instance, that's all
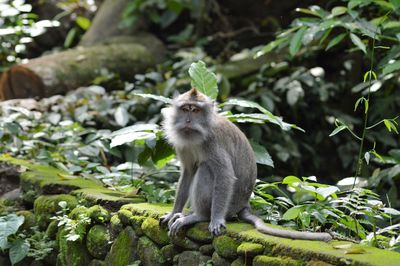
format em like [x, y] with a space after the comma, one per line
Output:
[64, 71]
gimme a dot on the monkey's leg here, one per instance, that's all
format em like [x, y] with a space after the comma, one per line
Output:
[182, 195]
[224, 182]
[247, 216]
[186, 220]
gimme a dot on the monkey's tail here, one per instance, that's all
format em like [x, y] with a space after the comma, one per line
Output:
[247, 216]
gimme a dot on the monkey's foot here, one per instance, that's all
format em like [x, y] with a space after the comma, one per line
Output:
[179, 222]
[215, 227]
[166, 218]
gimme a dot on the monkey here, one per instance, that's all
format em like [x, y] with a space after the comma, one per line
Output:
[218, 169]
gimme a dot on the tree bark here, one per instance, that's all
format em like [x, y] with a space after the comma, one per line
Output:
[64, 71]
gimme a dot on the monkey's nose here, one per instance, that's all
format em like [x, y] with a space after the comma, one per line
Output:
[188, 121]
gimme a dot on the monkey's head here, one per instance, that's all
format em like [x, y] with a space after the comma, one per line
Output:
[190, 118]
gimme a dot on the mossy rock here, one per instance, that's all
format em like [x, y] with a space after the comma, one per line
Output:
[96, 262]
[241, 262]
[151, 228]
[123, 249]
[115, 225]
[136, 222]
[317, 263]
[110, 199]
[263, 260]
[169, 252]
[47, 206]
[99, 215]
[192, 258]
[207, 249]
[125, 216]
[98, 241]
[149, 253]
[71, 253]
[154, 210]
[199, 233]
[52, 230]
[29, 219]
[248, 249]
[217, 260]
[182, 241]
[77, 212]
[226, 246]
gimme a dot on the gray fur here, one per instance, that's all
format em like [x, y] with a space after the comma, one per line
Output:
[218, 168]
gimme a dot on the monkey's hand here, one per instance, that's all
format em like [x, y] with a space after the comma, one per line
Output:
[215, 227]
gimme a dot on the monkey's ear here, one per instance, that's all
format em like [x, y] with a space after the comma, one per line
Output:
[176, 94]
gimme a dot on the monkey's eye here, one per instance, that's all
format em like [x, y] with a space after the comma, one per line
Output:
[185, 109]
[195, 110]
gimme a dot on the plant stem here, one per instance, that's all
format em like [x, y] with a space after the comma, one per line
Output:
[360, 153]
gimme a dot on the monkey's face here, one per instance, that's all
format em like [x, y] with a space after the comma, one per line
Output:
[191, 120]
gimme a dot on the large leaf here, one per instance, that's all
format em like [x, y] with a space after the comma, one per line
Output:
[203, 79]
[335, 41]
[292, 213]
[18, 250]
[133, 133]
[121, 116]
[391, 68]
[296, 41]
[9, 225]
[261, 154]
[155, 97]
[357, 41]
[163, 153]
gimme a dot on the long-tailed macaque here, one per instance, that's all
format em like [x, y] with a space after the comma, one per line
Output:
[218, 168]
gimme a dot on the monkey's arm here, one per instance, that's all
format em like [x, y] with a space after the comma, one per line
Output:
[224, 182]
[182, 195]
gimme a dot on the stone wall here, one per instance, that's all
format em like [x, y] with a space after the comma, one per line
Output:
[116, 230]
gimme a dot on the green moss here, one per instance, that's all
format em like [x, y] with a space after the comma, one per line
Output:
[124, 216]
[263, 260]
[217, 260]
[239, 262]
[250, 249]
[78, 212]
[115, 225]
[149, 253]
[107, 198]
[199, 232]
[155, 210]
[52, 230]
[96, 262]
[71, 253]
[136, 222]
[98, 241]
[226, 246]
[151, 228]
[47, 206]
[123, 249]
[29, 219]
[99, 215]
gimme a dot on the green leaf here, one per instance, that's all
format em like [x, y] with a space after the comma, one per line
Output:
[335, 41]
[154, 97]
[292, 213]
[390, 125]
[9, 225]
[296, 41]
[289, 180]
[162, 154]
[338, 10]
[369, 75]
[391, 68]
[121, 116]
[83, 22]
[271, 46]
[357, 42]
[308, 12]
[327, 191]
[203, 79]
[18, 250]
[337, 130]
[70, 37]
[133, 133]
[261, 154]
